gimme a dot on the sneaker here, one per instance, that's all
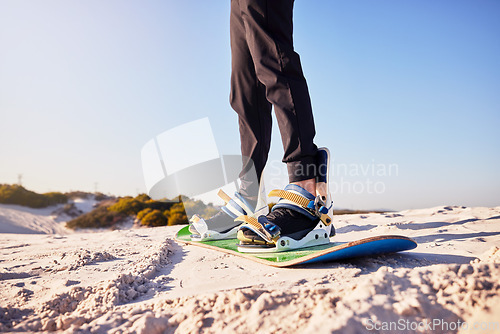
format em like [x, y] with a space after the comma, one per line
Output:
[222, 225]
[299, 219]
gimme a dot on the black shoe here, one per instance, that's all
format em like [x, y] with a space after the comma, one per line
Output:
[291, 223]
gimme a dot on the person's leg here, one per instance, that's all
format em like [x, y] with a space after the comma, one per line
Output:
[268, 26]
[248, 99]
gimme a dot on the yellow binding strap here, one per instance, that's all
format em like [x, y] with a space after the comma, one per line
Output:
[250, 220]
[299, 200]
[255, 223]
[225, 197]
[288, 195]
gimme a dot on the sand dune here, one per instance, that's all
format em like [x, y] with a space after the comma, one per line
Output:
[140, 280]
[23, 220]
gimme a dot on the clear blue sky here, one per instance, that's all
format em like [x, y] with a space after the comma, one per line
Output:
[409, 86]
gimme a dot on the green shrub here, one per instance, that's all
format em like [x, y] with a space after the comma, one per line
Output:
[86, 195]
[98, 218]
[56, 198]
[16, 194]
[177, 215]
[143, 198]
[101, 197]
[159, 205]
[154, 218]
[144, 212]
[78, 194]
[127, 206]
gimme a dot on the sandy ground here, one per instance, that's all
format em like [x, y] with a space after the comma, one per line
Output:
[141, 281]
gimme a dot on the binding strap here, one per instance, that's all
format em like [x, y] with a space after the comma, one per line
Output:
[225, 197]
[198, 225]
[267, 230]
[288, 195]
[236, 206]
[310, 205]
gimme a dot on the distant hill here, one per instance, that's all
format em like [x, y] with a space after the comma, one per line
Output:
[16, 194]
[353, 212]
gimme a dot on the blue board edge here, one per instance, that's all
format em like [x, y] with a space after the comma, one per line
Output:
[376, 247]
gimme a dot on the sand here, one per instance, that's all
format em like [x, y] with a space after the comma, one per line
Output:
[141, 281]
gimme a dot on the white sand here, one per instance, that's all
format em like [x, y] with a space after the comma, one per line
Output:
[139, 280]
[18, 219]
[23, 220]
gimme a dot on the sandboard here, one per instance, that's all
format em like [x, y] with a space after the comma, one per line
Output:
[334, 251]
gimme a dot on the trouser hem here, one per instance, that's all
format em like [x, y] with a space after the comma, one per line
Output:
[301, 170]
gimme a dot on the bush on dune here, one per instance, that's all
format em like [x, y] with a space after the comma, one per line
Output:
[159, 205]
[177, 212]
[100, 217]
[78, 194]
[149, 212]
[55, 198]
[127, 206]
[176, 215]
[102, 197]
[143, 198]
[16, 194]
[154, 218]
[143, 213]
[86, 195]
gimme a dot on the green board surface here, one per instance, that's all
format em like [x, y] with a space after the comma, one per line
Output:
[329, 252]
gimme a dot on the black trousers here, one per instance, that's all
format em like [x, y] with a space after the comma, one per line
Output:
[266, 72]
